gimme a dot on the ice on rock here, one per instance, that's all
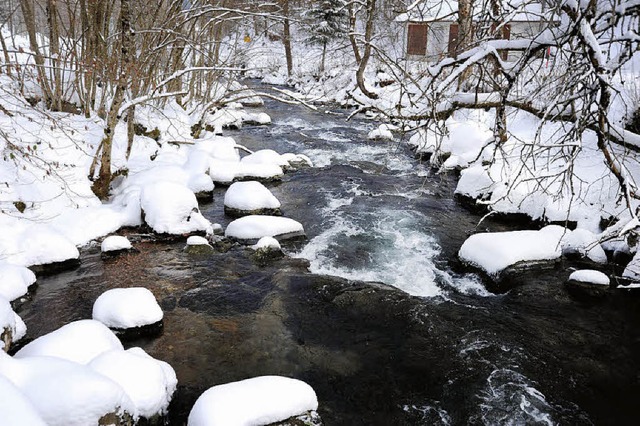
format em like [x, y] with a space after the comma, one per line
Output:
[127, 308]
[257, 401]
[250, 196]
[66, 393]
[172, 208]
[265, 156]
[254, 227]
[495, 251]
[15, 407]
[79, 341]
[149, 383]
[590, 276]
[15, 281]
[115, 243]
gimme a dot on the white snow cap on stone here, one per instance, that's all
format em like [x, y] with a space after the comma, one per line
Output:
[127, 308]
[150, 383]
[15, 281]
[79, 341]
[15, 407]
[196, 240]
[590, 276]
[382, 132]
[40, 245]
[257, 226]
[257, 401]
[250, 195]
[115, 243]
[267, 243]
[495, 251]
[585, 243]
[63, 392]
[265, 156]
[172, 208]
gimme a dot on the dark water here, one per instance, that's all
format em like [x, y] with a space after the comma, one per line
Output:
[446, 352]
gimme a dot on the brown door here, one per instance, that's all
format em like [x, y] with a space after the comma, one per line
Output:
[417, 39]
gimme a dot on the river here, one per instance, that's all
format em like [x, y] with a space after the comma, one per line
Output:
[440, 350]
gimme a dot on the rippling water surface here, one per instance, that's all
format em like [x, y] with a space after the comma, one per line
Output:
[443, 350]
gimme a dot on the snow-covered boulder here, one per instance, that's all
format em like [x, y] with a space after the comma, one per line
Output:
[493, 252]
[297, 161]
[42, 245]
[632, 270]
[79, 341]
[115, 245]
[149, 383]
[256, 119]
[267, 249]
[256, 401]
[258, 171]
[383, 132]
[584, 243]
[250, 197]
[66, 393]
[12, 328]
[15, 407]
[172, 208]
[265, 156]
[198, 245]
[123, 308]
[15, 281]
[255, 227]
[588, 282]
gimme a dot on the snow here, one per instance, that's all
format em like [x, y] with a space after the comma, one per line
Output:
[63, 392]
[36, 244]
[172, 208]
[632, 270]
[265, 171]
[196, 240]
[267, 243]
[250, 195]
[79, 341]
[115, 243]
[383, 132]
[15, 408]
[148, 382]
[585, 243]
[256, 226]
[265, 156]
[493, 252]
[257, 401]
[127, 308]
[15, 281]
[590, 276]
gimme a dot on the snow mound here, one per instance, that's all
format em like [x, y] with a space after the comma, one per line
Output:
[267, 243]
[383, 132]
[264, 171]
[172, 208]
[66, 393]
[265, 156]
[115, 243]
[248, 196]
[127, 308]
[257, 401]
[493, 252]
[590, 276]
[15, 408]
[256, 226]
[474, 182]
[584, 243]
[196, 240]
[79, 341]
[41, 245]
[632, 270]
[15, 281]
[297, 159]
[258, 118]
[148, 382]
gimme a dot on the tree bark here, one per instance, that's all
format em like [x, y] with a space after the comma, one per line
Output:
[286, 37]
[366, 54]
[30, 23]
[54, 53]
[352, 34]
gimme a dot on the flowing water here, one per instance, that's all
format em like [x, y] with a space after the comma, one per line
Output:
[440, 350]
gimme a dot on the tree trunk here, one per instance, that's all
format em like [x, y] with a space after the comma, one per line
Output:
[54, 53]
[324, 56]
[465, 35]
[352, 34]
[366, 54]
[286, 37]
[30, 23]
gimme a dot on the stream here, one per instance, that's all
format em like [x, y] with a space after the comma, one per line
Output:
[372, 309]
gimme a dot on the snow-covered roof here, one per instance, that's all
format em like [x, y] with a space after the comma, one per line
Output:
[447, 10]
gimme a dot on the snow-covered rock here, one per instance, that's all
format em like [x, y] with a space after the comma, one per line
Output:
[259, 118]
[265, 156]
[297, 160]
[15, 407]
[149, 383]
[256, 401]
[267, 249]
[172, 208]
[494, 252]
[66, 393]
[42, 245]
[383, 132]
[115, 243]
[250, 197]
[474, 182]
[79, 341]
[590, 276]
[124, 308]
[262, 171]
[255, 227]
[198, 245]
[585, 243]
[632, 270]
[15, 281]
[267, 243]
